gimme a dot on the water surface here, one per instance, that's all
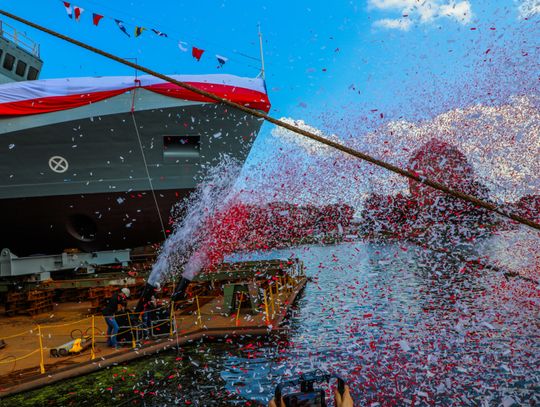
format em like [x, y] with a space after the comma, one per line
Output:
[403, 325]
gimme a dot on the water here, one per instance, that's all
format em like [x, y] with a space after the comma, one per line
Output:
[403, 325]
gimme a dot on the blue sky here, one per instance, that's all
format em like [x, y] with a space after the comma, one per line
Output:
[314, 51]
[325, 61]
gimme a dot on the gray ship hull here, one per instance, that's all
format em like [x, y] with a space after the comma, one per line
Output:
[77, 178]
[48, 225]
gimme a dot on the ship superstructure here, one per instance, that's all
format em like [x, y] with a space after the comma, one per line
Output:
[19, 55]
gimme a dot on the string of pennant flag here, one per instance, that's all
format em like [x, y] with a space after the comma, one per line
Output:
[75, 12]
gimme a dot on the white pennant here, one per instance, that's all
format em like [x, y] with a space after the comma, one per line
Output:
[69, 10]
[182, 45]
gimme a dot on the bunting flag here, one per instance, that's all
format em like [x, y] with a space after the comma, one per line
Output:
[120, 25]
[78, 11]
[96, 18]
[159, 33]
[197, 53]
[139, 31]
[69, 10]
[221, 60]
[182, 45]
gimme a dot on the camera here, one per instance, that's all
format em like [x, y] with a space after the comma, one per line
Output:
[308, 396]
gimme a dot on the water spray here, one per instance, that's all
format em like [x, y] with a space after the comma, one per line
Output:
[186, 242]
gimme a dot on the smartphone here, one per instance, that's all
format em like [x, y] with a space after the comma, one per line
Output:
[309, 399]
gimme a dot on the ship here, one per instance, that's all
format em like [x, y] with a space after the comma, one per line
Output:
[99, 163]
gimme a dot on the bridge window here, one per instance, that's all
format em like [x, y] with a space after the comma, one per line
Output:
[9, 60]
[32, 74]
[21, 68]
[181, 147]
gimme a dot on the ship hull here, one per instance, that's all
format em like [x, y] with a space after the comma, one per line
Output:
[51, 224]
[83, 178]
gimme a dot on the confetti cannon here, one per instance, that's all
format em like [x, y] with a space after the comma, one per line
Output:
[194, 265]
[149, 290]
[180, 291]
[146, 295]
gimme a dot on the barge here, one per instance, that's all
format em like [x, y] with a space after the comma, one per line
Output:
[236, 299]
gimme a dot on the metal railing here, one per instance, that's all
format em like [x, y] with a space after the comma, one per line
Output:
[273, 295]
[18, 38]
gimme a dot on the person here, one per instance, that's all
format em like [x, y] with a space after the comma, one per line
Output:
[149, 308]
[110, 311]
[345, 400]
[340, 401]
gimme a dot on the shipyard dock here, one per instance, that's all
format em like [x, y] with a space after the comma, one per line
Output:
[69, 339]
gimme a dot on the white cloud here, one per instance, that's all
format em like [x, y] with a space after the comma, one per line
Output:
[459, 11]
[391, 4]
[422, 11]
[501, 142]
[310, 146]
[398, 24]
[528, 8]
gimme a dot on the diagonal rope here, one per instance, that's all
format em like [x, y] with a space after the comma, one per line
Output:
[355, 153]
[149, 178]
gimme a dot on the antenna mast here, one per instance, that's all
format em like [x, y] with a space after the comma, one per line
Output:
[262, 53]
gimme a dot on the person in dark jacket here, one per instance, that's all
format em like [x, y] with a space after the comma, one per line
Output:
[149, 308]
[109, 312]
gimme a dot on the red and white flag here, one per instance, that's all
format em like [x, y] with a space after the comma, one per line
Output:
[78, 11]
[96, 17]
[69, 10]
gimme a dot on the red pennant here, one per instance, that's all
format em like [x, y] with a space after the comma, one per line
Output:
[197, 53]
[96, 18]
[78, 11]
[69, 11]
